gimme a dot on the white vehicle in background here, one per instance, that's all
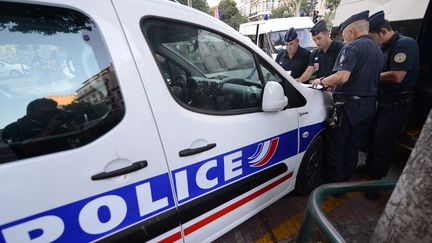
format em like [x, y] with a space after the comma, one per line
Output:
[269, 34]
[12, 70]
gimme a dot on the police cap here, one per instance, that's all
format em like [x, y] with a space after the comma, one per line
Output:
[290, 35]
[356, 17]
[318, 27]
[375, 20]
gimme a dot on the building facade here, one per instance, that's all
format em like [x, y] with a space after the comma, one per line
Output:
[261, 9]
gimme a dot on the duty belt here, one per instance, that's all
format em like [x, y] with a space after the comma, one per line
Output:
[336, 115]
[345, 97]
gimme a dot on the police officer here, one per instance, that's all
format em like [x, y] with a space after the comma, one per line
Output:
[295, 59]
[397, 80]
[355, 82]
[323, 58]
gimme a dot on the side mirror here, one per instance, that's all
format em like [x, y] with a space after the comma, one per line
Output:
[274, 98]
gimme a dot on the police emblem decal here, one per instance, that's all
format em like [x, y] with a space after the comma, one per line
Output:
[342, 58]
[400, 57]
[264, 152]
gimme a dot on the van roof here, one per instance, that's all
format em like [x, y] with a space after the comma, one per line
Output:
[395, 10]
[273, 25]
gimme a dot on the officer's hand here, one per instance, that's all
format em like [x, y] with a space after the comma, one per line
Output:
[316, 83]
[328, 88]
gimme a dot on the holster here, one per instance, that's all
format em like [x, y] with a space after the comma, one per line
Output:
[336, 117]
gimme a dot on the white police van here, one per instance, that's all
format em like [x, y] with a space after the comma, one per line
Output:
[269, 34]
[144, 121]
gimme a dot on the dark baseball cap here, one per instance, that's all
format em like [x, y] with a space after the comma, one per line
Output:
[356, 17]
[290, 35]
[318, 27]
[376, 20]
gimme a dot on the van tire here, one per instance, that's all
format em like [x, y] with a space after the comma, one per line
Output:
[310, 174]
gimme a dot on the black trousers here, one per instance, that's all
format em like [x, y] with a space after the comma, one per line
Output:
[388, 122]
[343, 143]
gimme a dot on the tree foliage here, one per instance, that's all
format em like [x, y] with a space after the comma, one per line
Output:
[236, 20]
[230, 14]
[308, 6]
[332, 4]
[47, 20]
[201, 5]
[293, 9]
[281, 12]
[328, 17]
[228, 8]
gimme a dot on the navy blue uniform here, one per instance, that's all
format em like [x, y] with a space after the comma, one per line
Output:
[363, 59]
[401, 53]
[297, 65]
[394, 103]
[323, 63]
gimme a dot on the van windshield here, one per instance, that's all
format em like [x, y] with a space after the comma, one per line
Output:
[277, 39]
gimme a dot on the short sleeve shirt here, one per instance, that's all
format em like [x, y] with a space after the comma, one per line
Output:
[297, 65]
[363, 59]
[323, 62]
[401, 53]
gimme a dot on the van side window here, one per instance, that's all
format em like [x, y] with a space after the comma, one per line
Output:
[204, 71]
[58, 90]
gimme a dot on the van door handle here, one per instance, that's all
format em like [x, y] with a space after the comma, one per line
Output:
[188, 152]
[133, 167]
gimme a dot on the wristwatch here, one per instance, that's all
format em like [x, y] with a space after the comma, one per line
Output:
[321, 79]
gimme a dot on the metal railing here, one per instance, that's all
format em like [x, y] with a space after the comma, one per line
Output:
[314, 214]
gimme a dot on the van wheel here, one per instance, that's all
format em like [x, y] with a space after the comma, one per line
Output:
[310, 172]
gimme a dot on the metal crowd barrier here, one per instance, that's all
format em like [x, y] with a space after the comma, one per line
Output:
[314, 214]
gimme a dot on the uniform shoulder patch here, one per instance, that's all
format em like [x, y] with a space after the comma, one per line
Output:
[341, 59]
[400, 57]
